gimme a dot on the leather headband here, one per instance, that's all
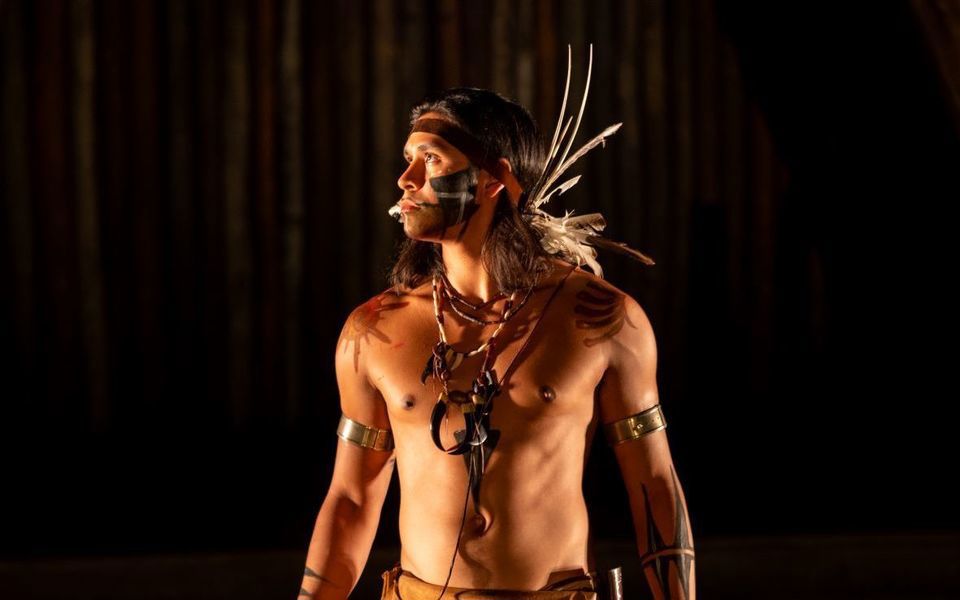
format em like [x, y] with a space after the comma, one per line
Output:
[473, 150]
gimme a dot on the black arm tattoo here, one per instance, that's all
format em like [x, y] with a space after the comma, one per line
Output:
[308, 572]
[661, 555]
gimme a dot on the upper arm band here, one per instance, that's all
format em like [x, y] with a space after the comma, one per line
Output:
[635, 426]
[363, 436]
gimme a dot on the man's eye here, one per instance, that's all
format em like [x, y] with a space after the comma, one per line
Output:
[429, 157]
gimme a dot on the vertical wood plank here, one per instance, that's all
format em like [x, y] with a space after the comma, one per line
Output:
[386, 143]
[525, 53]
[112, 52]
[352, 142]
[448, 42]
[208, 80]
[148, 224]
[236, 164]
[602, 166]
[186, 339]
[632, 150]
[733, 191]
[765, 190]
[83, 158]
[414, 47]
[705, 43]
[475, 43]
[683, 176]
[291, 191]
[58, 331]
[323, 297]
[18, 237]
[549, 56]
[502, 49]
[655, 139]
[267, 342]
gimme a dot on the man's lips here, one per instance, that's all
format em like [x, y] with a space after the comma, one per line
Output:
[406, 205]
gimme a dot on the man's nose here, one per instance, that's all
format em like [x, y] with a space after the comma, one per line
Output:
[412, 179]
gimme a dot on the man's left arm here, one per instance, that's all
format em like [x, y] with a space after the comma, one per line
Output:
[633, 421]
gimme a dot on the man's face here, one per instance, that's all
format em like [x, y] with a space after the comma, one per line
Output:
[429, 156]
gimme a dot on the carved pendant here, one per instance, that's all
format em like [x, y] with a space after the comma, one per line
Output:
[477, 458]
[441, 362]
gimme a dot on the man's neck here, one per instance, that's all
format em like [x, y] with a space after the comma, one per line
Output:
[461, 257]
[466, 274]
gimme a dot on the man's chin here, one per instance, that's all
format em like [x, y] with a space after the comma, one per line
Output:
[419, 232]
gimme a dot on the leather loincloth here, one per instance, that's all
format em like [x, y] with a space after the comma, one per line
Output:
[403, 585]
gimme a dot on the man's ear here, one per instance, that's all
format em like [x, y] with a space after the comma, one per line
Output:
[493, 187]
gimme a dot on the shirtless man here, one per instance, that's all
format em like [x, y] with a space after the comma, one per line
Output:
[579, 354]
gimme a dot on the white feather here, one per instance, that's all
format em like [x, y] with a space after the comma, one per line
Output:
[560, 189]
[568, 235]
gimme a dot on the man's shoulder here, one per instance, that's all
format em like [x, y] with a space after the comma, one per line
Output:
[379, 322]
[602, 311]
[389, 303]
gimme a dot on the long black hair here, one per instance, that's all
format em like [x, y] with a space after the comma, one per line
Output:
[511, 253]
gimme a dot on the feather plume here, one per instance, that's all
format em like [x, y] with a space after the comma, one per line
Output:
[574, 237]
[601, 139]
[560, 189]
[620, 248]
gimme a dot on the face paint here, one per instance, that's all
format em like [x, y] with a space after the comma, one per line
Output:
[456, 195]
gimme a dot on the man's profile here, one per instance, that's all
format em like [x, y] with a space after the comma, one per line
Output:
[483, 373]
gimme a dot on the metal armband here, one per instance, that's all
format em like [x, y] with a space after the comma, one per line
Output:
[635, 426]
[363, 436]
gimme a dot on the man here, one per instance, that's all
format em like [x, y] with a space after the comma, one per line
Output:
[490, 438]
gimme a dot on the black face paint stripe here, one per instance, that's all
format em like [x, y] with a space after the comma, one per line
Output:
[456, 194]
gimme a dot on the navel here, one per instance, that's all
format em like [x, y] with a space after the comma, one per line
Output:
[547, 393]
[408, 401]
[479, 524]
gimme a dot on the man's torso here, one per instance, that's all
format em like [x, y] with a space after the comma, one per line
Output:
[532, 527]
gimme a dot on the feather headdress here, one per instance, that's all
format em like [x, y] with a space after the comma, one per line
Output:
[575, 237]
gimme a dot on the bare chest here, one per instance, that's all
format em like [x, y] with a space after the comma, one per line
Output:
[546, 373]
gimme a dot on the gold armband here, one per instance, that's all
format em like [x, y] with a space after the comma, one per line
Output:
[363, 436]
[636, 426]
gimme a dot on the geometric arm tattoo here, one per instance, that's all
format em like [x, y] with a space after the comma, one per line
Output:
[662, 555]
[308, 574]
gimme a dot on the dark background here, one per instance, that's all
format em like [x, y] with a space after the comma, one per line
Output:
[194, 197]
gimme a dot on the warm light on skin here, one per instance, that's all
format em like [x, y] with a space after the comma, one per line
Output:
[429, 155]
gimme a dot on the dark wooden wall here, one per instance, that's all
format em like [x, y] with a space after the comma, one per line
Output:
[196, 192]
[194, 197]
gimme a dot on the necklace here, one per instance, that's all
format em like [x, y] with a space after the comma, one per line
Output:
[454, 298]
[477, 437]
[459, 297]
[445, 358]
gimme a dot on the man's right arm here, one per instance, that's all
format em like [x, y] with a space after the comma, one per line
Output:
[347, 522]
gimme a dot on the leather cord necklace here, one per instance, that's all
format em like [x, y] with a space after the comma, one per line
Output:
[478, 402]
[477, 437]
[454, 300]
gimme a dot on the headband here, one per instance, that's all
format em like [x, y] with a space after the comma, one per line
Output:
[473, 150]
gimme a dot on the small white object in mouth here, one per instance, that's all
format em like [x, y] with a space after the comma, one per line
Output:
[394, 211]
